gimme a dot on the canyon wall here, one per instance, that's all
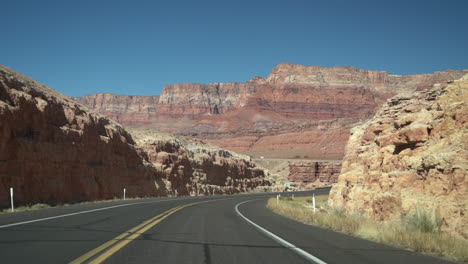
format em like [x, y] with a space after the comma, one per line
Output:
[297, 92]
[53, 150]
[240, 116]
[411, 155]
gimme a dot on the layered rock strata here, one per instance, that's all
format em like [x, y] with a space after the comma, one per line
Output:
[412, 154]
[125, 109]
[54, 150]
[312, 140]
[290, 96]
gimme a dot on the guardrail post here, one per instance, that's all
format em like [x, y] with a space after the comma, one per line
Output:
[313, 202]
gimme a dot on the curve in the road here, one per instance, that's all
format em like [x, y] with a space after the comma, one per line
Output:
[300, 252]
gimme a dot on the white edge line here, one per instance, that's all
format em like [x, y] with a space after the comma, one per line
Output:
[278, 239]
[85, 212]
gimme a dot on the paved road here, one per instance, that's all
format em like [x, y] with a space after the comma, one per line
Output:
[180, 230]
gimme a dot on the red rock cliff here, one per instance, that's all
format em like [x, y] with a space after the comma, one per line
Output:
[292, 95]
[53, 150]
[291, 90]
[297, 91]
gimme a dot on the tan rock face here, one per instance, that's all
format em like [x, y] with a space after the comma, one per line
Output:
[125, 109]
[412, 154]
[289, 97]
[54, 150]
[192, 168]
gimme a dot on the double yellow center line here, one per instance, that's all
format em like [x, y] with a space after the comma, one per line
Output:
[115, 244]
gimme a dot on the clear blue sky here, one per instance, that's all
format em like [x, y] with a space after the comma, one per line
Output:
[137, 47]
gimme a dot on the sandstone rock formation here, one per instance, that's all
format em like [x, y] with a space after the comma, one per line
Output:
[193, 168]
[412, 154]
[54, 150]
[291, 96]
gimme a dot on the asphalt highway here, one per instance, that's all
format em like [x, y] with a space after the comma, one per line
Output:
[182, 230]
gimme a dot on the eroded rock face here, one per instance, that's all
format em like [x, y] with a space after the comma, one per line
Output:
[289, 97]
[314, 173]
[54, 150]
[412, 154]
[193, 168]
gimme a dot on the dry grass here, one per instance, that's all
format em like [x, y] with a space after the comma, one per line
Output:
[42, 205]
[419, 232]
[27, 208]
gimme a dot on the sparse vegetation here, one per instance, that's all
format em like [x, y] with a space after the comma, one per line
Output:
[419, 231]
[27, 208]
[423, 221]
[42, 206]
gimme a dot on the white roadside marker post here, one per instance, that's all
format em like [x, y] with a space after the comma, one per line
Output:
[11, 197]
[124, 193]
[293, 196]
[277, 198]
[313, 202]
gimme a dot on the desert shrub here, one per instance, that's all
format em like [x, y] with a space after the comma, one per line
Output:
[423, 221]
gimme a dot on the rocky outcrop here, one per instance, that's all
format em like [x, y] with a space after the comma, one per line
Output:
[314, 173]
[289, 97]
[193, 168]
[54, 150]
[300, 174]
[412, 154]
[125, 109]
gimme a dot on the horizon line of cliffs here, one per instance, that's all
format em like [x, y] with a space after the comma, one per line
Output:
[54, 150]
[296, 110]
[290, 91]
[411, 155]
